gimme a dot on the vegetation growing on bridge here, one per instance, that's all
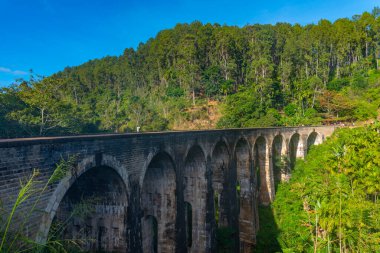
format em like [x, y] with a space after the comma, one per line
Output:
[257, 75]
[14, 223]
[331, 203]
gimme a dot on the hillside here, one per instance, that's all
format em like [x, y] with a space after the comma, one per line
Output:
[331, 202]
[207, 75]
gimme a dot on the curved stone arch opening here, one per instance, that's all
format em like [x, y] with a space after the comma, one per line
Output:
[245, 195]
[98, 201]
[295, 150]
[158, 199]
[314, 138]
[242, 152]
[85, 165]
[152, 154]
[279, 160]
[220, 162]
[195, 194]
[221, 141]
[191, 147]
[262, 170]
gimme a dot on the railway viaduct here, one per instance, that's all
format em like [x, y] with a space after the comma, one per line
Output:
[153, 192]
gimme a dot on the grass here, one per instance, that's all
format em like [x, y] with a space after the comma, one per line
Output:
[12, 233]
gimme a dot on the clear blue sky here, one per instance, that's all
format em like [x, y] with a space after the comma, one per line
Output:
[48, 35]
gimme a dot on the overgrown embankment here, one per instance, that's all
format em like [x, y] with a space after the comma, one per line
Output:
[331, 202]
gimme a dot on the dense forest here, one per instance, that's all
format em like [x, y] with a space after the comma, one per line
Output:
[209, 75]
[216, 76]
[331, 203]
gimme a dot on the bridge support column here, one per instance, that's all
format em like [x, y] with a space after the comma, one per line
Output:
[246, 200]
[268, 167]
[134, 215]
[211, 225]
[264, 171]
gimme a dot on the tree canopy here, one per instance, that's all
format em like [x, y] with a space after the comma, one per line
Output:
[278, 74]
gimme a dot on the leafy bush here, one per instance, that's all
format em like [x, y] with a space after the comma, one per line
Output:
[365, 110]
[331, 202]
[359, 82]
[225, 238]
[174, 91]
[291, 109]
[338, 84]
[271, 118]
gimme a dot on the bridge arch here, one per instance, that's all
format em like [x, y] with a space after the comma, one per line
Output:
[220, 162]
[94, 167]
[151, 155]
[295, 149]
[245, 194]
[314, 138]
[243, 157]
[279, 159]
[220, 141]
[191, 147]
[195, 196]
[158, 200]
[263, 170]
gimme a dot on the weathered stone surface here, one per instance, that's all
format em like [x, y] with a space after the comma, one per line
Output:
[145, 184]
[195, 194]
[101, 193]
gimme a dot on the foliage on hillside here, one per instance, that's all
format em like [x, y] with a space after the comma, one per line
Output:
[262, 75]
[331, 203]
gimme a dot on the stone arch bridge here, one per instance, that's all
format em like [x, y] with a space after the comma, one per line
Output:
[155, 192]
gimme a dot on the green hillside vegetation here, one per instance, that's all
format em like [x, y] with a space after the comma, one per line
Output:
[206, 75]
[331, 203]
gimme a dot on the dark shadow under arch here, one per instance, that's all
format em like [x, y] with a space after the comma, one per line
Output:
[294, 143]
[220, 171]
[313, 139]
[262, 171]
[93, 211]
[279, 160]
[150, 228]
[158, 199]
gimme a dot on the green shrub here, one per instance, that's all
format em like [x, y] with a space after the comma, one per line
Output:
[331, 201]
[225, 237]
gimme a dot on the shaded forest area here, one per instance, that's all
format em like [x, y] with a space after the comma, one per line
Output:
[208, 75]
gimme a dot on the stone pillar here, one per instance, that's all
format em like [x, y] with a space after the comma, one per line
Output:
[301, 148]
[246, 197]
[210, 211]
[160, 201]
[134, 215]
[247, 231]
[268, 167]
[195, 194]
[180, 226]
[232, 203]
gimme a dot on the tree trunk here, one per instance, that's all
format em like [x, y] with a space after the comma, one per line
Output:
[193, 97]
[42, 121]
[337, 69]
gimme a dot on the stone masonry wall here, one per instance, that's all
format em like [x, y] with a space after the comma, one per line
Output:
[160, 172]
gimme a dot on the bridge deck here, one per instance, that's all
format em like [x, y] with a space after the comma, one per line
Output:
[68, 138]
